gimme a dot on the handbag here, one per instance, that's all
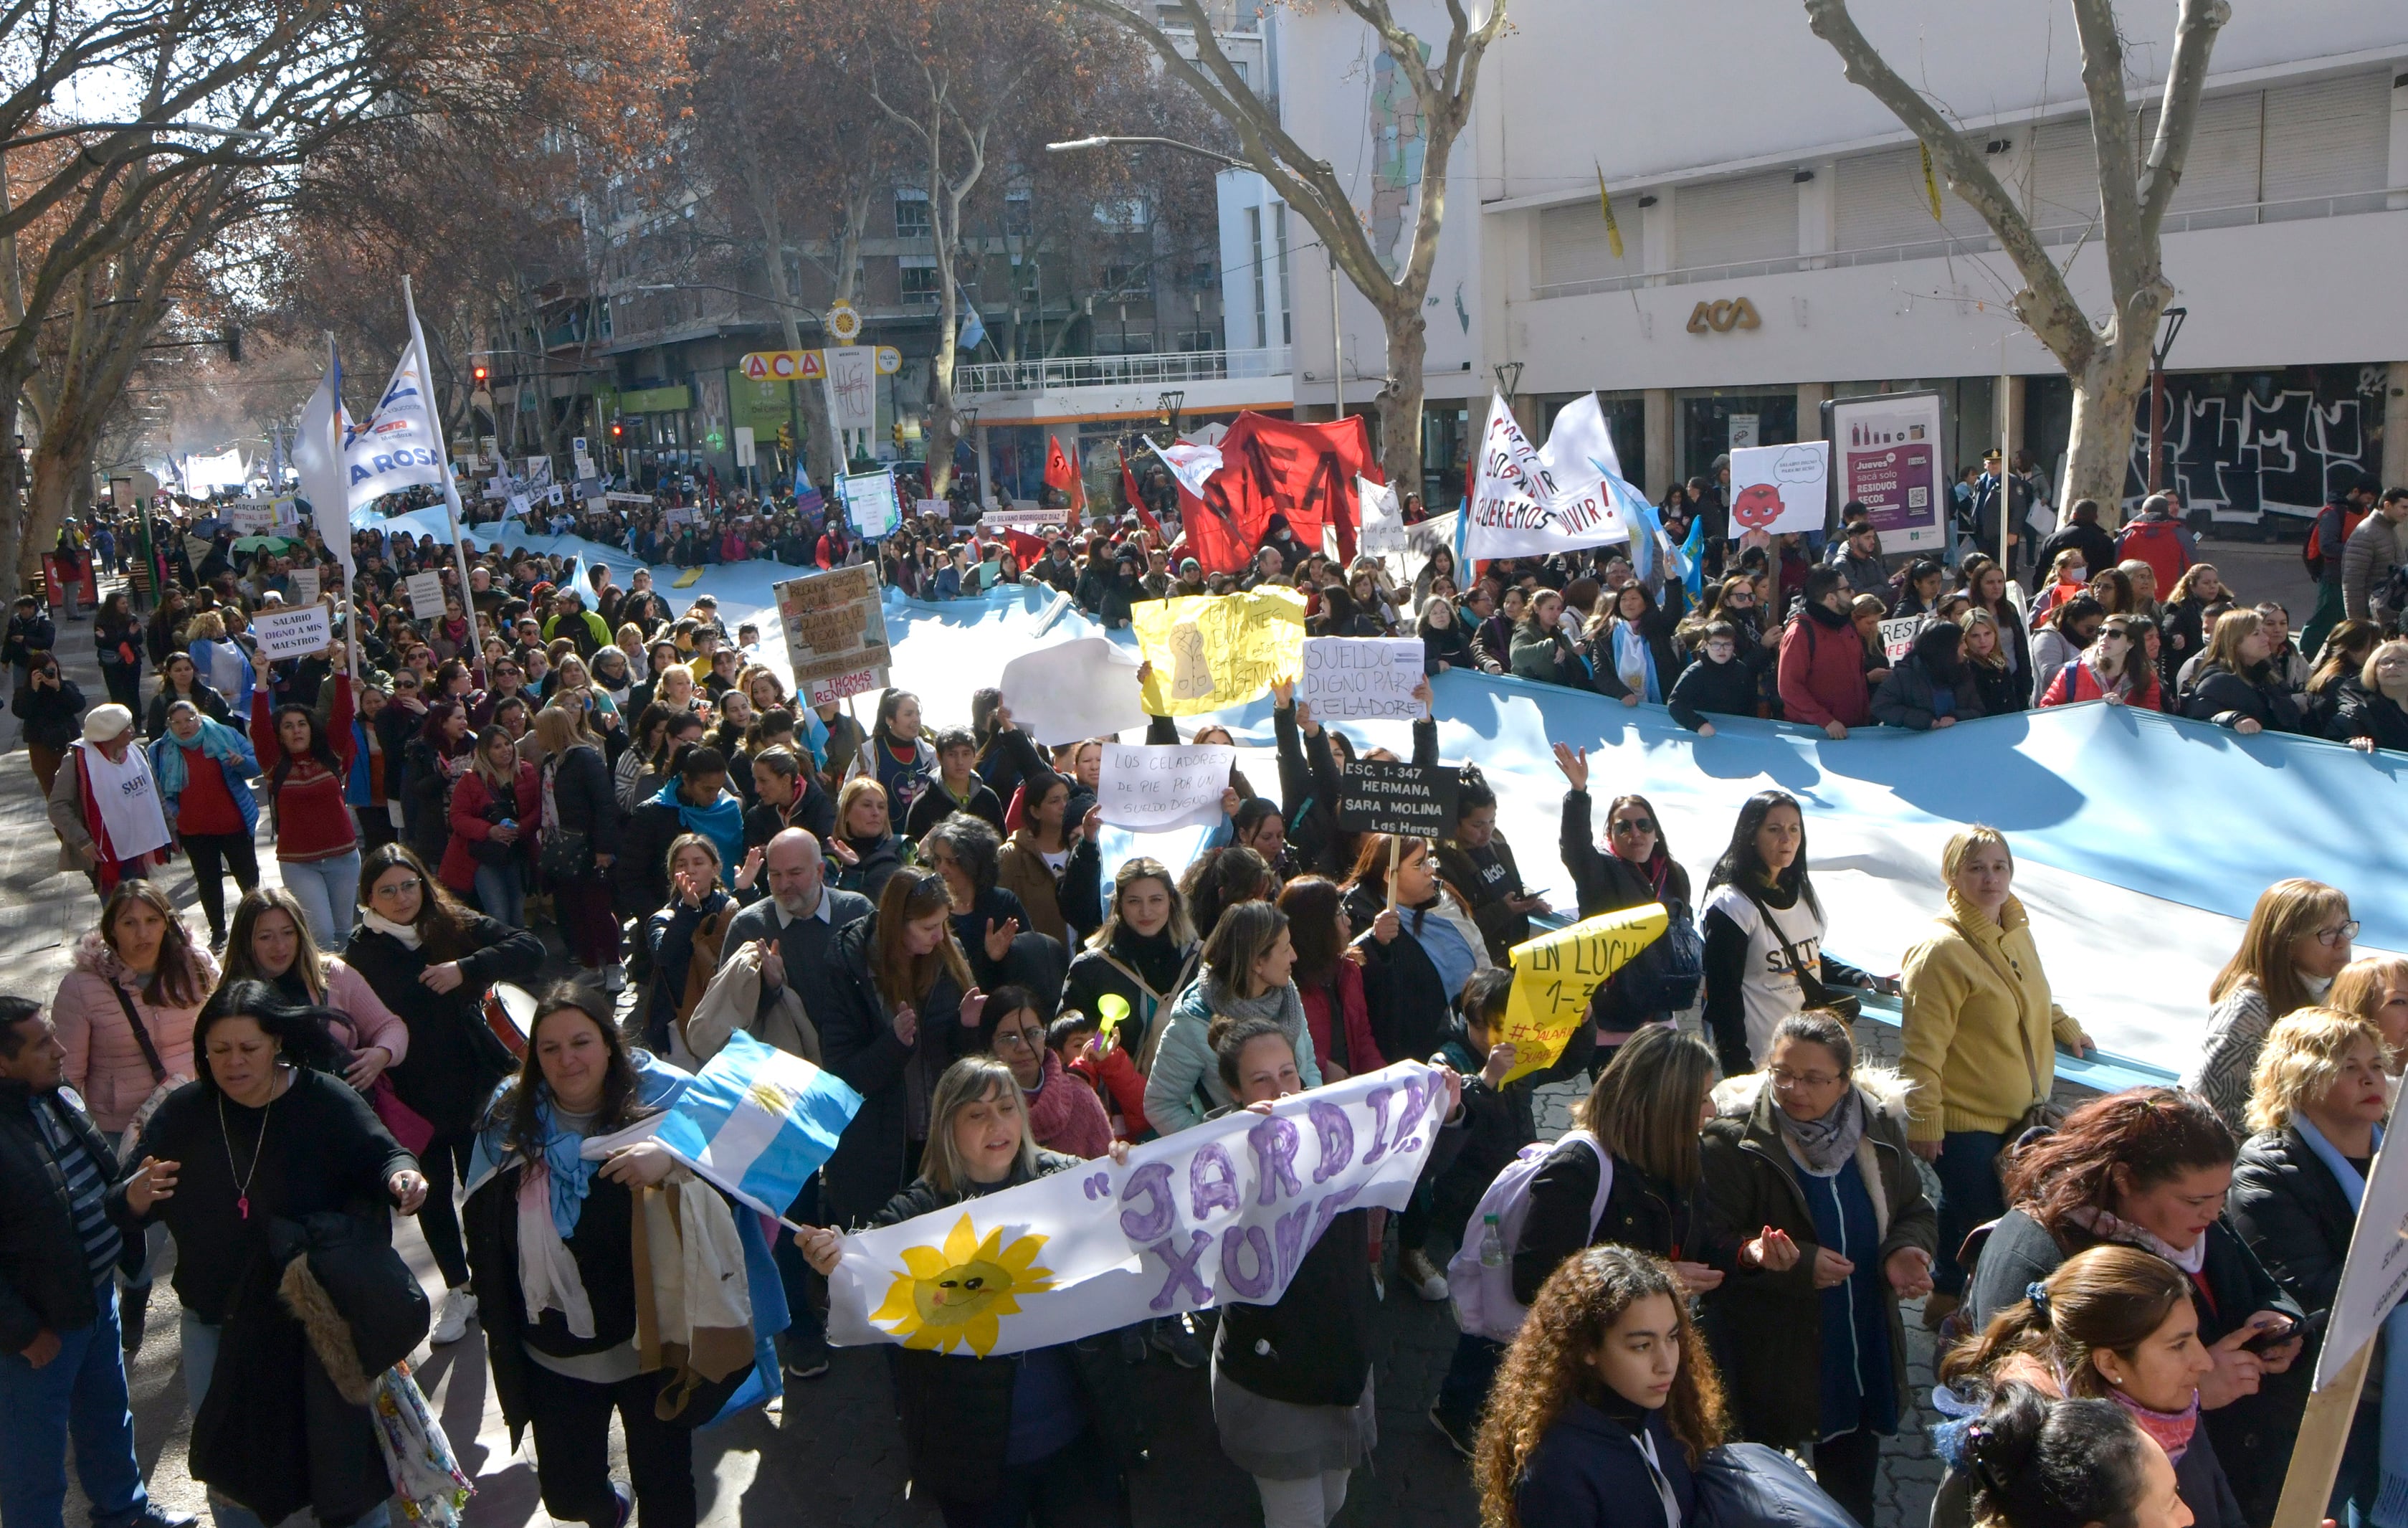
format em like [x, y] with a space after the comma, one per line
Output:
[405, 1124]
[1811, 987]
[567, 855]
[163, 1082]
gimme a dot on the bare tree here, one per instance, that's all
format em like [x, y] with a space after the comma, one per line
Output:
[1442, 93]
[2107, 359]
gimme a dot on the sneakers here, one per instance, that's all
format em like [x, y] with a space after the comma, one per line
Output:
[1422, 1275]
[1176, 1336]
[1446, 1430]
[1132, 1340]
[452, 1321]
[808, 1366]
[155, 1516]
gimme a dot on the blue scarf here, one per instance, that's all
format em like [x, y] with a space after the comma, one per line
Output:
[2391, 1501]
[722, 822]
[218, 740]
[657, 1085]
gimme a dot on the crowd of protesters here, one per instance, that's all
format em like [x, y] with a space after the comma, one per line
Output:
[557, 778]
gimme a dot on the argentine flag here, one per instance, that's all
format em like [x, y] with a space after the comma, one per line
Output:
[758, 1121]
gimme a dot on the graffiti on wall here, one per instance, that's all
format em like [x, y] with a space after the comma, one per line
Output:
[2244, 448]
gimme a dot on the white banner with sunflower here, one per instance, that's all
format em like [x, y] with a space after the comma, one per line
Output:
[1218, 1215]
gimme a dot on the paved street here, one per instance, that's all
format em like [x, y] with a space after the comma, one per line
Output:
[833, 1455]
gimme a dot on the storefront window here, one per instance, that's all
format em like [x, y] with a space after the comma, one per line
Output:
[1713, 422]
[1446, 453]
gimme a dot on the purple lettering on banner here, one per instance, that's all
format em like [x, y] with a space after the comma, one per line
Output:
[1180, 1271]
[1328, 1208]
[1409, 1117]
[1377, 1098]
[1274, 1142]
[1153, 1181]
[1288, 1234]
[1233, 1279]
[1211, 1182]
[1337, 1134]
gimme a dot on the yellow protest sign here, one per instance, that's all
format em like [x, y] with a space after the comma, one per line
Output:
[1212, 651]
[1555, 974]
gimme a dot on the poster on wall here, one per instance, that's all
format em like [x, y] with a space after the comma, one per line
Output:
[1890, 459]
[1780, 489]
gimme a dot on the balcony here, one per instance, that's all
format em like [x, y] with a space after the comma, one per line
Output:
[1069, 371]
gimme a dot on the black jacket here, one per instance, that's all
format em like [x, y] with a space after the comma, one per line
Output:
[1641, 1212]
[877, 866]
[427, 799]
[1588, 1471]
[582, 789]
[1607, 882]
[1313, 1346]
[2291, 1211]
[857, 1042]
[811, 811]
[155, 721]
[53, 718]
[956, 1407]
[1769, 1325]
[455, 1060]
[45, 1283]
[2224, 697]
[1499, 925]
[2001, 691]
[1706, 690]
[1907, 697]
[1166, 967]
[2252, 1435]
[1450, 645]
[2097, 548]
[2362, 712]
[1411, 1011]
[642, 872]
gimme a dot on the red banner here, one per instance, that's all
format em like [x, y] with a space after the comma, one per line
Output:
[1303, 473]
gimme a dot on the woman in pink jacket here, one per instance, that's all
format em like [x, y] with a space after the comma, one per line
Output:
[270, 941]
[139, 965]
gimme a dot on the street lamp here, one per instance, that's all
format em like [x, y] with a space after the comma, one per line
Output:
[2158, 353]
[1167, 406]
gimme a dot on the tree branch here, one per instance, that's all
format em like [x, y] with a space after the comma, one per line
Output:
[2178, 113]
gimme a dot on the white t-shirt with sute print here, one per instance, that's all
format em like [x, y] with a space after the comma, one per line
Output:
[1769, 990]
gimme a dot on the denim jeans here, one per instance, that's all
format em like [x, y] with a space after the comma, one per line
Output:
[1462, 1394]
[1969, 1196]
[806, 1338]
[79, 1394]
[329, 893]
[200, 1345]
[501, 893]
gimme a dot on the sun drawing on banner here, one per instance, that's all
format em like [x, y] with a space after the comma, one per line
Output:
[955, 1295]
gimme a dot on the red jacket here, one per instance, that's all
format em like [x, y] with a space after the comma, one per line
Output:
[1122, 1087]
[1362, 1051]
[2075, 682]
[1822, 674]
[470, 798]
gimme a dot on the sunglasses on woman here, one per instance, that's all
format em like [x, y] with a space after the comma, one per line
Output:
[1634, 824]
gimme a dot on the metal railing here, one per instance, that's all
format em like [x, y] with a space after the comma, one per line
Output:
[2240, 214]
[1143, 371]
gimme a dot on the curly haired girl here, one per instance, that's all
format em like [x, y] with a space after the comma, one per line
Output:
[1605, 1401]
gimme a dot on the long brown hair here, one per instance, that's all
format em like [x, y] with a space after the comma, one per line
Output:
[522, 1104]
[1551, 1364]
[2153, 1133]
[910, 895]
[308, 961]
[2108, 1296]
[1311, 903]
[2285, 911]
[442, 923]
[1644, 1107]
[174, 982]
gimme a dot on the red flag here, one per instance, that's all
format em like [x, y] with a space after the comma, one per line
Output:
[1137, 500]
[1063, 479]
[1303, 473]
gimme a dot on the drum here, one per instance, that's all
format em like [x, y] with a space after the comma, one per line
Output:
[510, 1013]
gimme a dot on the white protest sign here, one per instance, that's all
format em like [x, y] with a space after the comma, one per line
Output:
[251, 517]
[869, 499]
[1361, 678]
[2375, 1274]
[1780, 489]
[304, 584]
[425, 592]
[1218, 1214]
[1525, 502]
[1153, 786]
[1019, 519]
[1082, 688]
[1379, 525]
[1898, 635]
[519, 504]
[292, 633]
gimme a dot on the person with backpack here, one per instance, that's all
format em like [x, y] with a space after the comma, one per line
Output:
[1822, 668]
[1635, 868]
[1815, 1153]
[2156, 536]
[1980, 1032]
[2352, 501]
[1500, 1121]
[2372, 583]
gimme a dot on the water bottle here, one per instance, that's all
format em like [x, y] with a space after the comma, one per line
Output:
[1492, 1244]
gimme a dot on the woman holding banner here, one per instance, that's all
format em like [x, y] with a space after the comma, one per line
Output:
[1420, 943]
[1041, 1436]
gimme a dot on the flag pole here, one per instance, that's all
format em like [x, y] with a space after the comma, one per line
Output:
[343, 554]
[443, 448]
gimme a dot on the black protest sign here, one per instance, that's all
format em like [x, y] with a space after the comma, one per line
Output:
[1415, 799]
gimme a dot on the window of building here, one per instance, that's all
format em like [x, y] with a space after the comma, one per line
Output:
[919, 279]
[1019, 219]
[910, 213]
[1261, 277]
[1121, 281]
[1279, 228]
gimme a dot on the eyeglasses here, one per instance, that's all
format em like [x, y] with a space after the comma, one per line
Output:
[1017, 1039]
[1635, 825]
[396, 889]
[1783, 1078]
[2340, 935]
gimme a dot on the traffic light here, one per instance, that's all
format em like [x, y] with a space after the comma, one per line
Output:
[480, 373]
[618, 431]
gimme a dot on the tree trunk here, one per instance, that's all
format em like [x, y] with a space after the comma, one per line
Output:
[2099, 453]
[1400, 402]
[20, 560]
[55, 476]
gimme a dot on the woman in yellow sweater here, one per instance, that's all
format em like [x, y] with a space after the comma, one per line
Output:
[1980, 1041]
